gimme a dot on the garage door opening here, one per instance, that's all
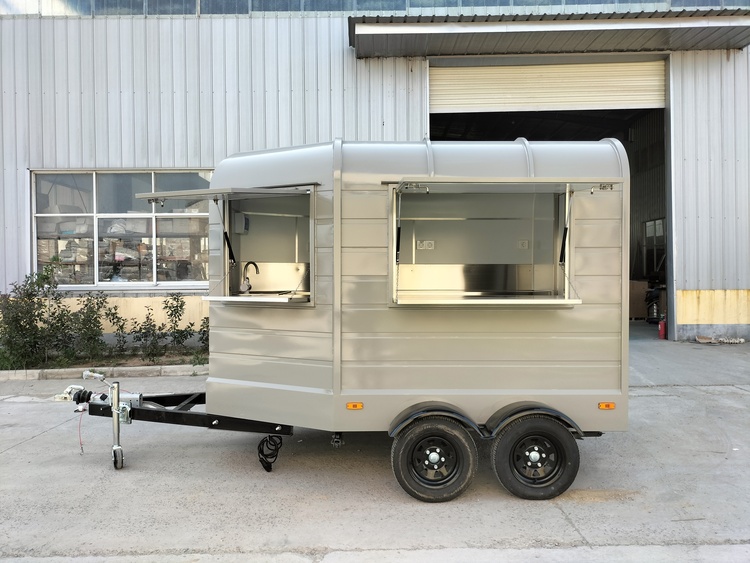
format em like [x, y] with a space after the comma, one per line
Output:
[641, 131]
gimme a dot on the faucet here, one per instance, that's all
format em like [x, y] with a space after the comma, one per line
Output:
[245, 287]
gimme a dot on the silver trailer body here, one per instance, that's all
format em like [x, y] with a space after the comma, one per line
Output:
[376, 282]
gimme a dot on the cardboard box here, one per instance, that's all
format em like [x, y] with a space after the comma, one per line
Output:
[638, 291]
[45, 250]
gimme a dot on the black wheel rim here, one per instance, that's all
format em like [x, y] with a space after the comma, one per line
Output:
[435, 461]
[537, 460]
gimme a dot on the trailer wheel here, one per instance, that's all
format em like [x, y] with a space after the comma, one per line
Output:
[535, 457]
[117, 458]
[434, 459]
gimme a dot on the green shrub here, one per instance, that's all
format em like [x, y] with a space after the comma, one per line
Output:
[149, 337]
[200, 356]
[29, 315]
[174, 307]
[113, 317]
[87, 326]
[37, 327]
[203, 335]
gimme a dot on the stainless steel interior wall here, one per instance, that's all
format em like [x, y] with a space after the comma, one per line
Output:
[710, 138]
[182, 92]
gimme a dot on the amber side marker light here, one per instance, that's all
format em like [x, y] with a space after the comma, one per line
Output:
[354, 406]
[606, 406]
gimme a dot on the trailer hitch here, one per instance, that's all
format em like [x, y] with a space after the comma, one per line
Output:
[168, 408]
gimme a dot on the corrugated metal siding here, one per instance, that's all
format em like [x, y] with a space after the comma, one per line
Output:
[15, 121]
[547, 87]
[711, 169]
[183, 92]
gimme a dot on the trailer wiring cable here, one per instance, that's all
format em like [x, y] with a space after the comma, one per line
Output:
[268, 451]
[80, 437]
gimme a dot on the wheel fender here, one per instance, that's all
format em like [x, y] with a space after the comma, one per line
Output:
[423, 410]
[508, 414]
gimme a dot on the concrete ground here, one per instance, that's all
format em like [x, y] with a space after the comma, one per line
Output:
[673, 488]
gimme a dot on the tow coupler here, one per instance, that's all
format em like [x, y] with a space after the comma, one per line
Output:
[170, 408]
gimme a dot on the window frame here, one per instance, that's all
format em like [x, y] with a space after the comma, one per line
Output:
[94, 261]
[566, 296]
[222, 224]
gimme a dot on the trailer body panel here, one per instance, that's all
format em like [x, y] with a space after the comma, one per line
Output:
[474, 275]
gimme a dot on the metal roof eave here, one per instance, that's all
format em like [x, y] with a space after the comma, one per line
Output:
[410, 36]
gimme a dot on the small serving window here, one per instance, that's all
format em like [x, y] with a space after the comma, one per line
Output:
[270, 239]
[260, 242]
[482, 243]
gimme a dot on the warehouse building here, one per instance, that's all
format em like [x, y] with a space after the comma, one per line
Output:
[103, 99]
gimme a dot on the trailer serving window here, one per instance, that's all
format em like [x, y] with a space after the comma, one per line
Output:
[260, 243]
[483, 243]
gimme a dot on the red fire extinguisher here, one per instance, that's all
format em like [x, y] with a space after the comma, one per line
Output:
[662, 329]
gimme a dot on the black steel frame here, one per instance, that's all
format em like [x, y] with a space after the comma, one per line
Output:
[175, 409]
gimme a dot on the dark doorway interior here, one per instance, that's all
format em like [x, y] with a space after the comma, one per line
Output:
[535, 125]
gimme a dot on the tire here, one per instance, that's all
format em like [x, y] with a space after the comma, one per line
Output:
[117, 458]
[452, 465]
[535, 457]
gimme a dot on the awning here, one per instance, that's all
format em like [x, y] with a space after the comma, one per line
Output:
[430, 36]
[229, 193]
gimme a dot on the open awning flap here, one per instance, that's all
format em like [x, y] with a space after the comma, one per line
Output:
[231, 193]
[422, 36]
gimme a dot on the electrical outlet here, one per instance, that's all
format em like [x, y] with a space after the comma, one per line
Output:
[523, 244]
[420, 245]
[425, 245]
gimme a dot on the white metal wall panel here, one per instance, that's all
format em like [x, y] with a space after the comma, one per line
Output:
[15, 122]
[183, 92]
[547, 87]
[710, 169]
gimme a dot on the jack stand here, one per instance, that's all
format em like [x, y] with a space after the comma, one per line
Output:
[336, 440]
[118, 458]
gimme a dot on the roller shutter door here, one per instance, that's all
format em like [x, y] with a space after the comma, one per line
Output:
[548, 87]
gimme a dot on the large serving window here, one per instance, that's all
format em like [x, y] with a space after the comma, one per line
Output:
[482, 243]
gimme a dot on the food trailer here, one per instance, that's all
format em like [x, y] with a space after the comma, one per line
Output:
[443, 292]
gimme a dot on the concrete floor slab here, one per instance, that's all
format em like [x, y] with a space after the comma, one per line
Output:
[672, 488]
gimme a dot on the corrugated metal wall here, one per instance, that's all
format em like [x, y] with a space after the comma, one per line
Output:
[710, 138]
[182, 92]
